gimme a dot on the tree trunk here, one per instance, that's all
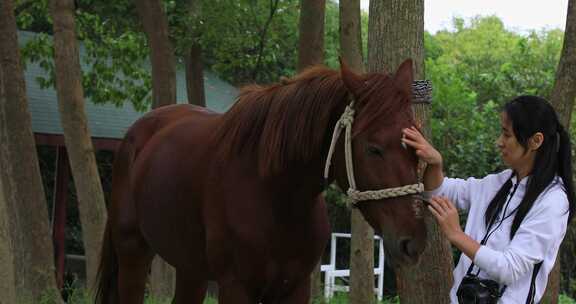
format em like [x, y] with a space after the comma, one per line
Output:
[362, 240]
[155, 25]
[396, 32]
[553, 286]
[562, 99]
[361, 260]
[195, 76]
[351, 34]
[564, 92]
[316, 292]
[311, 52]
[162, 280]
[151, 12]
[91, 202]
[194, 66]
[26, 256]
[311, 37]
[8, 282]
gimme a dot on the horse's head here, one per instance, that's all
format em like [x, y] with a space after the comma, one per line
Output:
[382, 108]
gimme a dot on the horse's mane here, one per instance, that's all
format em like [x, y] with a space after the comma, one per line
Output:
[283, 122]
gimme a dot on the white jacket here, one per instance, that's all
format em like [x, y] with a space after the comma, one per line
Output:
[537, 239]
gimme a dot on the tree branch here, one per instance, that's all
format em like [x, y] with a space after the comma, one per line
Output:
[273, 9]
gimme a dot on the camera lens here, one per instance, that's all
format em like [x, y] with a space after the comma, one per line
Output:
[467, 295]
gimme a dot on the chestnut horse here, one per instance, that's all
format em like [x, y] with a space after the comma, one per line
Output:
[237, 197]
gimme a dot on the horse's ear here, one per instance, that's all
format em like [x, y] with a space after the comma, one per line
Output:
[404, 77]
[351, 80]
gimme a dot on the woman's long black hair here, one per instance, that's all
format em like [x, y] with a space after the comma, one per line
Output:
[529, 115]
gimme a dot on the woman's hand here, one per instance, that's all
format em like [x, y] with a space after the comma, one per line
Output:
[425, 151]
[447, 217]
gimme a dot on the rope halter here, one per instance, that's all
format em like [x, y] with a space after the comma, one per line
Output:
[345, 122]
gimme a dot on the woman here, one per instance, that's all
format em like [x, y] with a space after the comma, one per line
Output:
[516, 218]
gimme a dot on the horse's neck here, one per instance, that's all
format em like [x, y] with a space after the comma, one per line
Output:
[304, 181]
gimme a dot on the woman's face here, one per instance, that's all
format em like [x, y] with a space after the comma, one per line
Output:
[513, 154]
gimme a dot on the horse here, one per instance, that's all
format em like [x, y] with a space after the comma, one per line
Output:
[237, 197]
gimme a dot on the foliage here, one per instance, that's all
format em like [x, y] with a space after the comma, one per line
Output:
[234, 31]
[476, 69]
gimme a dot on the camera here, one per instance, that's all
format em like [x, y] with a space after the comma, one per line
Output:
[473, 290]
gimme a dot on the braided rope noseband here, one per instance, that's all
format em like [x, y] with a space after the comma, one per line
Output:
[345, 122]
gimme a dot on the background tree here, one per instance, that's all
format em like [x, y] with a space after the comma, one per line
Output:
[7, 285]
[153, 18]
[77, 136]
[311, 52]
[562, 99]
[362, 235]
[193, 60]
[311, 37]
[396, 32]
[475, 68]
[24, 228]
[155, 23]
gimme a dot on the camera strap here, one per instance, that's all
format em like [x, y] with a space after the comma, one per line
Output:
[532, 291]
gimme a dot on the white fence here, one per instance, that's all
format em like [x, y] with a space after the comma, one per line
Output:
[331, 273]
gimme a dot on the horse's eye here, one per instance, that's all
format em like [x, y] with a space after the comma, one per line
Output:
[374, 150]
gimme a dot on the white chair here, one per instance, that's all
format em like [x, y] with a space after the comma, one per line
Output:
[331, 273]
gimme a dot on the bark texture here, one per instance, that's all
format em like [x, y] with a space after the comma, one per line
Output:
[311, 29]
[396, 32]
[26, 259]
[362, 239]
[562, 99]
[193, 60]
[155, 26]
[155, 23]
[91, 202]
[311, 52]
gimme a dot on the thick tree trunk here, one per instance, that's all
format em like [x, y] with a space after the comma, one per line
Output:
[26, 257]
[362, 240]
[316, 292]
[562, 99]
[8, 282]
[194, 66]
[311, 29]
[564, 91]
[396, 32]
[155, 25]
[553, 286]
[361, 260]
[311, 52]
[91, 202]
[351, 34]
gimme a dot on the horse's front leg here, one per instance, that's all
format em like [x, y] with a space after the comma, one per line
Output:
[232, 291]
[300, 295]
[190, 288]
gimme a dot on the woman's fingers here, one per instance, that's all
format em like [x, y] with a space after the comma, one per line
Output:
[445, 207]
[434, 212]
[439, 205]
[413, 133]
[424, 150]
[415, 137]
[414, 144]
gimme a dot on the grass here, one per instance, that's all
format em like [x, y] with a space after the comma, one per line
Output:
[79, 296]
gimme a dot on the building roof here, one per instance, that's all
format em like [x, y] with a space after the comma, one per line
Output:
[107, 120]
